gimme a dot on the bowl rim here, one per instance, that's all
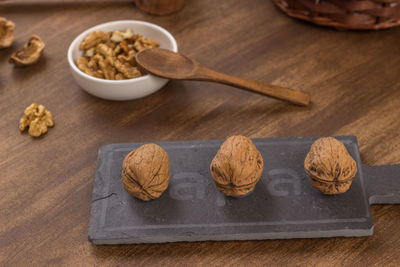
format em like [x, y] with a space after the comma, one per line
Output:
[74, 43]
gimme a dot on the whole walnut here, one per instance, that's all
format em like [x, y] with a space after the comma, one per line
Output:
[146, 172]
[237, 166]
[330, 167]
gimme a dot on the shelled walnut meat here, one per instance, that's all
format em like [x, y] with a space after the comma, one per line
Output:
[37, 118]
[6, 32]
[330, 167]
[146, 172]
[111, 55]
[237, 166]
[30, 53]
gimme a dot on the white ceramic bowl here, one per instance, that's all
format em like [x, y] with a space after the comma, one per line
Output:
[121, 89]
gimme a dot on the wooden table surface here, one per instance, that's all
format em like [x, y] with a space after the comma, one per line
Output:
[46, 184]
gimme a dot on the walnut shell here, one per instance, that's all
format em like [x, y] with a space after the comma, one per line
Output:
[30, 53]
[146, 172]
[6, 32]
[330, 167]
[237, 166]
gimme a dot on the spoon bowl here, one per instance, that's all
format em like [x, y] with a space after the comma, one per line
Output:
[166, 64]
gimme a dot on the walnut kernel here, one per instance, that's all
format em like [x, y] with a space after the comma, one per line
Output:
[127, 70]
[330, 167]
[112, 55]
[119, 36]
[107, 68]
[90, 68]
[146, 172]
[93, 39]
[237, 166]
[143, 43]
[37, 118]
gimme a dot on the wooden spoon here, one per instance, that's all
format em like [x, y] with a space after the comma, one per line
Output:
[167, 64]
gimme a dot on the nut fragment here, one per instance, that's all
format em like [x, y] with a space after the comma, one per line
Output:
[112, 55]
[90, 68]
[127, 70]
[237, 167]
[143, 43]
[146, 172]
[30, 53]
[104, 50]
[90, 52]
[330, 167]
[118, 36]
[37, 118]
[107, 68]
[93, 39]
[119, 76]
[130, 58]
[6, 32]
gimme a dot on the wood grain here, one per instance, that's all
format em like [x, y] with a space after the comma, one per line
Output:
[160, 7]
[46, 183]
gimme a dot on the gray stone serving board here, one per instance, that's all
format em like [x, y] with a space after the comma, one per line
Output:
[282, 205]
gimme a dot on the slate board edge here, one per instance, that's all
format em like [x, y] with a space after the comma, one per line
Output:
[238, 237]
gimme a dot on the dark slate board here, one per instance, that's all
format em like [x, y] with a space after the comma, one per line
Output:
[283, 204]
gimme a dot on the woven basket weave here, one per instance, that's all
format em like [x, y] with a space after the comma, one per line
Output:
[347, 14]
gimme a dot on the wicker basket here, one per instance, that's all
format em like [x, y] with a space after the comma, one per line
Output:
[347, 14]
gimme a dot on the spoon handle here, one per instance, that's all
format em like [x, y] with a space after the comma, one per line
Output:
[274, 91]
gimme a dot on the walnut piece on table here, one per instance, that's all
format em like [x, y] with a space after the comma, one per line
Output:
[37, 118]
[30, 53]
[6, 32]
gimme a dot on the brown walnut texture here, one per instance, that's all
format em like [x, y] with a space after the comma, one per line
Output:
[37, 118]
[146, 172]
[6, 32]
[30, 53]
[330, 167]
[237, 166]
